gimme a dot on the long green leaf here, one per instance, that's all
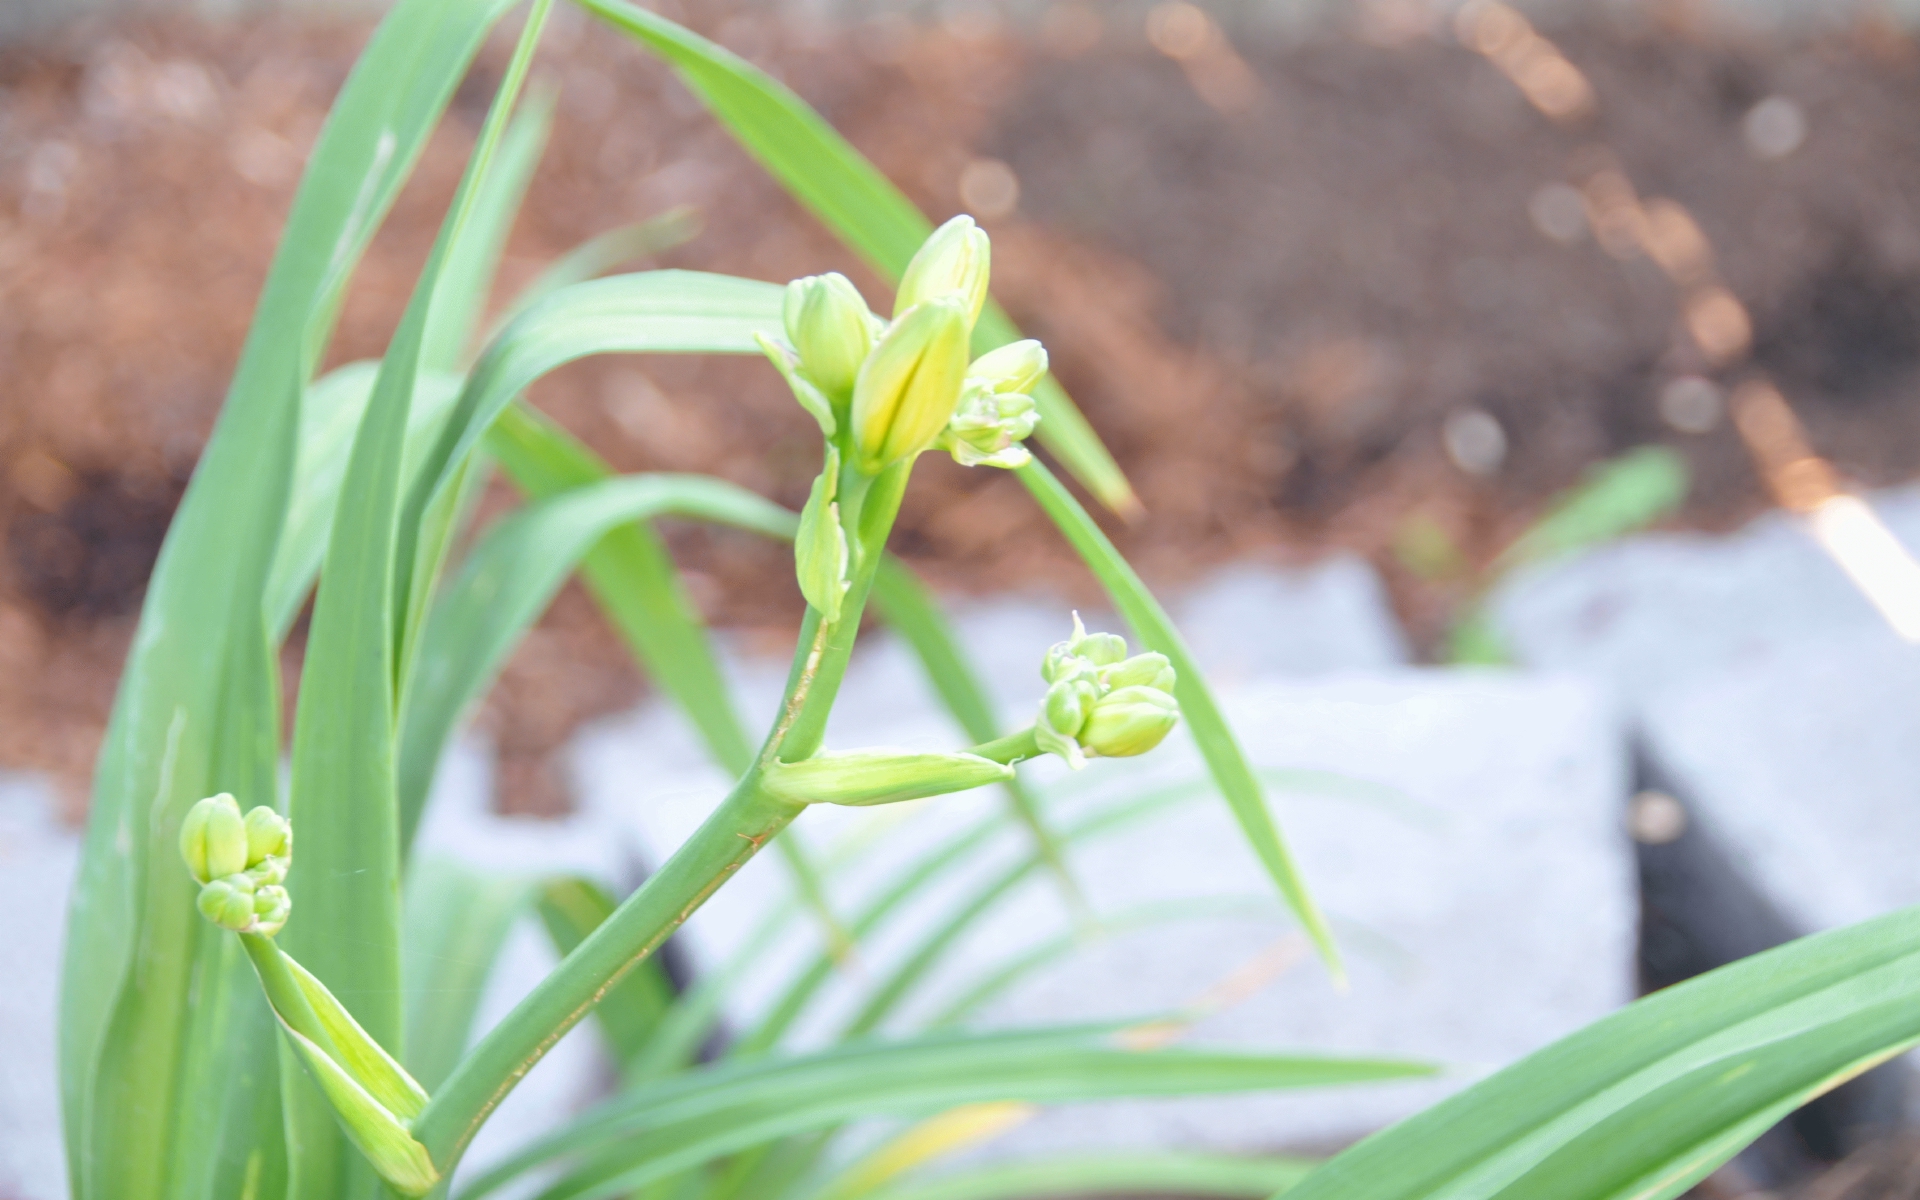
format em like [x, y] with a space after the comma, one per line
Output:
[668, 1127]
[466, 277]
[602, 254]
[197, 709]
[346, 894]
[508, 581]
[329, 415]
[852, 198]
[458, 918]
[1645, 1103]
[658, 312]
[1225, 760]
[1167, 1174]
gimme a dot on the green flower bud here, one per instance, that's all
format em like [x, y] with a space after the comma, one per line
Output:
[954, 259]
[213, 839]
[1142, 670]
[909, 385]
[1067, 704]
[810, 397]
[827, 322]
[1015, 367]
[880, 776]
[228, 903]
[820, 545]
[268, 835]
[987, 428]
[1129, 721]
[271, 908]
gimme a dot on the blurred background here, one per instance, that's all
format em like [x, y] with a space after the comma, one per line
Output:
[1394, 279]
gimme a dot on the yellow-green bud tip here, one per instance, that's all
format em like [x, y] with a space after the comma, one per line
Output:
[829, 325]
[213, 839]
[955, 258]
[1129, 721]
[1015, 367]
[907, 389]
[228, 902]
[268, 834]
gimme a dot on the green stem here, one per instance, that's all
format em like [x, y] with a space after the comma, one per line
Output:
[1010, 749]
[745, 821]
[284, 992]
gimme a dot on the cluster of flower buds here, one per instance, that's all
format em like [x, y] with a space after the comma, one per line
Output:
[1101, 702]
[240, 864]
[896, 388]
[884, 391]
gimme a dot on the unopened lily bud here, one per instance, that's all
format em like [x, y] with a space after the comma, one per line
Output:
[213, 838]
[907, 389]
[228, 902]
[1142, 670]
[987, 427]
[828, 323]
[268, 835]
[1015, 367]
[880, 776]
[1129, 721]
[820, 545]
[1063, 714]
[271, 908]
[954, 259]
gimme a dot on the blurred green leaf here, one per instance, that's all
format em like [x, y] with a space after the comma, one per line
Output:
[660, 1129]
[1617, 497]
[346, 896]
[155, 1002]
[1647, 1102]
[1117, 1174]
[507, 582]
[853, 199]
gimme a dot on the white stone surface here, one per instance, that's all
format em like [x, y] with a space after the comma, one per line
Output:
[1647, 613]
[1463, 829]
[1804, 767]
[37, 861]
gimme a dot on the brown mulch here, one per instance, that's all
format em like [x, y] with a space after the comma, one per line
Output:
[1267, 315]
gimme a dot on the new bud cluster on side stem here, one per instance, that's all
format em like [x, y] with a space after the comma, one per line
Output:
[885, 391]
[240, 863]
[1100, 702]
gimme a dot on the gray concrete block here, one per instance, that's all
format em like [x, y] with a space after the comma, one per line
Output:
[1645, 613]
[1805, 768]
[1463, 830]
[38, 857]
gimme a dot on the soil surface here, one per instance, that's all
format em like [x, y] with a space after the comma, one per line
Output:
[1272, 313]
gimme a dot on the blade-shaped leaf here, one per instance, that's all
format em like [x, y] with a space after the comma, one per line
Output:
[664, 1128]
[853, 199]
[1648, 1101]
[658, 312]
[466, 277]
[1166, 1174]
[602, 254]
[457, 920]
[197, 710]
[507, 582]
[1227, 762]
[346, 896]
[633, 579]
